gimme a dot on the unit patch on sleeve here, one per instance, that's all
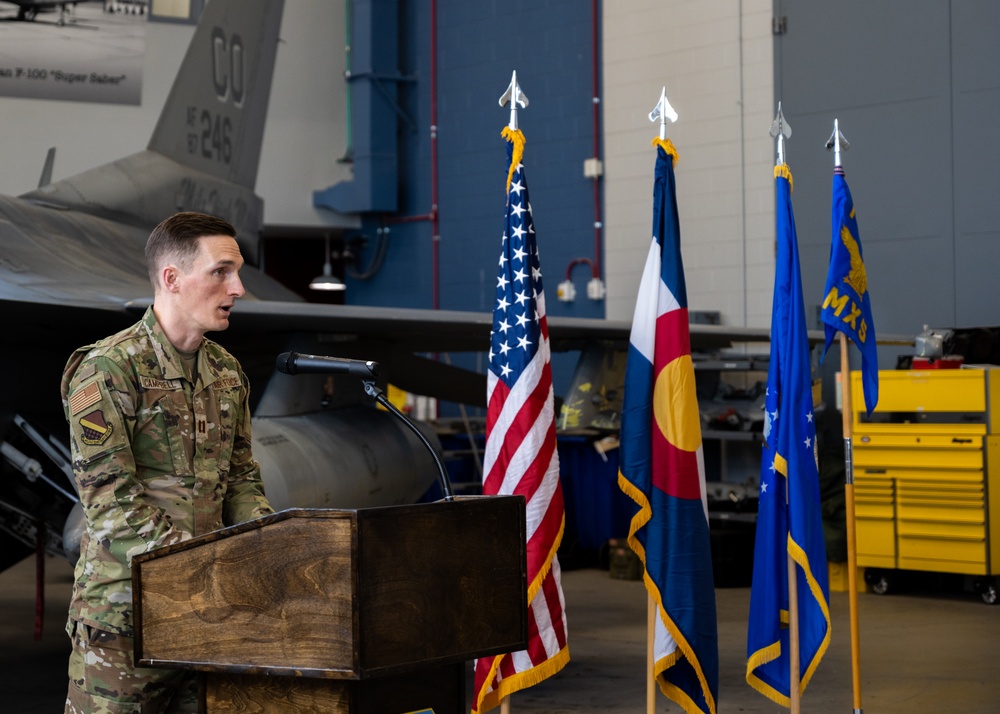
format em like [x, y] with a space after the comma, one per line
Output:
[95, 429]
[85, 397]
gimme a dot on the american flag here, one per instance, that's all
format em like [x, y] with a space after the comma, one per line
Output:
[521, 453]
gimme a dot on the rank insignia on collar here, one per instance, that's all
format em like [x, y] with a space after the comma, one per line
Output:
[95, 429]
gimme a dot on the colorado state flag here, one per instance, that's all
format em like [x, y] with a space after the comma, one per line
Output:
[662, 465]
[788, 517]
[846, 305]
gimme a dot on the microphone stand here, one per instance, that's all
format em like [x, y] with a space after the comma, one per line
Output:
[372, 390]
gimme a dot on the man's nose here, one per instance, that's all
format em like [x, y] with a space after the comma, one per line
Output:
[236, 287]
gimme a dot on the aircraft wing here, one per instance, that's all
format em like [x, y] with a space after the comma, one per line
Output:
[414, 347]
[435, 331]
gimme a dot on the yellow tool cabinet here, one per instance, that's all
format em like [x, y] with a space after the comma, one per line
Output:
[927, 472]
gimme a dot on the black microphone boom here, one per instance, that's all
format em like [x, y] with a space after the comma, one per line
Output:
[295, 363]
[380, 397]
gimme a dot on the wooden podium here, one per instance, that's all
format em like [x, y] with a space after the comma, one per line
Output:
[338, 611]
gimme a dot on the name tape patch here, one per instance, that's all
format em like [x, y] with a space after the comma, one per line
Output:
[153, 383]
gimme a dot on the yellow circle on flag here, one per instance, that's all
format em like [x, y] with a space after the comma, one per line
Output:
[675, 404]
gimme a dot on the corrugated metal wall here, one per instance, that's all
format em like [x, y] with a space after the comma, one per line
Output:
[916, 88]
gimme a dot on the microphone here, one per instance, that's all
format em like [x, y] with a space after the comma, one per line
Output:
[295, 363]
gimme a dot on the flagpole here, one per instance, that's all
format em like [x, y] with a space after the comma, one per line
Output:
[780, 130]
[852, 549]
[793, 634]
[847, 415]
[793, 624]
[515, 97]
[651, 615]
[547, 651]
[662, 112]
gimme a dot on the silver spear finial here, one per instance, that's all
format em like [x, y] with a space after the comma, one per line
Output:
[781, 130]
[515, 96]
[838, 142]
[663, 111]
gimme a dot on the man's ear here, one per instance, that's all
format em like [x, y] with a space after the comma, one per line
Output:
[170, 276]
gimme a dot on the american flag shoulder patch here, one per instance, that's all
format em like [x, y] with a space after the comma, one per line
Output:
[85, 397]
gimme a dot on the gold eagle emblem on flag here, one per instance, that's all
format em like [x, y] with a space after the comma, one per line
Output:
[857, 278]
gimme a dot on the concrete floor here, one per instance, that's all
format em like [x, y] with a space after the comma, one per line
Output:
[927, 650]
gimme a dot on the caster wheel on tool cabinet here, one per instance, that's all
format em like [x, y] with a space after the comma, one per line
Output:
[881, 582]
[989, 594]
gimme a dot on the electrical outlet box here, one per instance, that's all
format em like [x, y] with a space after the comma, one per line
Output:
[593, 168]
[595, 289]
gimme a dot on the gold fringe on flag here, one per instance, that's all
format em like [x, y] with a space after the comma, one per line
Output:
[785, 172]
[522, 680]
[515, 137]
[684, 649]
[667, 146]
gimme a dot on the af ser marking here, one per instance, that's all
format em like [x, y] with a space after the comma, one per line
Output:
[215, 138]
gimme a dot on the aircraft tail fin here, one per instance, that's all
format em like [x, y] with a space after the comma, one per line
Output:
[213, 119]
[205, 150]
[50, 159]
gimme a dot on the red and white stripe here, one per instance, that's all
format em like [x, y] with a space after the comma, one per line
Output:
[521, 458]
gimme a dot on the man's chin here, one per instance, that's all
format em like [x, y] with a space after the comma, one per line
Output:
[220, 324]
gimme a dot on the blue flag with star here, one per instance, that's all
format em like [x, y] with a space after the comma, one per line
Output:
[789, 523]
[846, 304]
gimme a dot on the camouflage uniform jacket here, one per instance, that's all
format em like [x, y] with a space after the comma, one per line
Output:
[157, 459]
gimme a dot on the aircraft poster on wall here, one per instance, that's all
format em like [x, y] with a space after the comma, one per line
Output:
[75, 51]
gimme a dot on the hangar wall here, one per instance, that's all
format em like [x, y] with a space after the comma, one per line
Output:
[916, 90]
[715, 60]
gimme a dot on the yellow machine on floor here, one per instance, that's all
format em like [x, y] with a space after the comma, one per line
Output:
[927, 476]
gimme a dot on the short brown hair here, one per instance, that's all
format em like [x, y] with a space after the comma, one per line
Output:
[177, 237]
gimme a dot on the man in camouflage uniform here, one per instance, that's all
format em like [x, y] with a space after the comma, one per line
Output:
[160, 437]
